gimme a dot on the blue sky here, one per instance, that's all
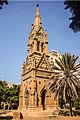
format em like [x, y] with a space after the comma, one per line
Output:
[15, 24]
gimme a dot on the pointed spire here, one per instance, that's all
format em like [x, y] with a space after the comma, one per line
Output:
[37, 21]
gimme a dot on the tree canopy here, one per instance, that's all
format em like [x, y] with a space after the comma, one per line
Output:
[9, 94]
[74, 8]
[2, 2]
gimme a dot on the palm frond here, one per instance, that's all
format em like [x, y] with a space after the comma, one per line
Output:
[64, 82]
[59, 64]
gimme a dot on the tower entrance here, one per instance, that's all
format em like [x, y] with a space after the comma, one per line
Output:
[43, 99]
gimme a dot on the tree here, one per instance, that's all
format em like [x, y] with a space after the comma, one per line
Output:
[2, 2]
[10, 95]
[74, 7]
[65, 82]
[1, 90]
[15, 93]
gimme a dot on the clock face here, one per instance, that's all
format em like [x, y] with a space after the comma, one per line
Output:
[40, 35]
[37, 28]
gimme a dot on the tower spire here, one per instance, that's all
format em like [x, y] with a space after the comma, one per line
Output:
[37, 20]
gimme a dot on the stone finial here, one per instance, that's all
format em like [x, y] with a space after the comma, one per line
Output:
[37, 5]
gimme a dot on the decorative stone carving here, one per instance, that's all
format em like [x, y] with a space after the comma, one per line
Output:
[36, 71]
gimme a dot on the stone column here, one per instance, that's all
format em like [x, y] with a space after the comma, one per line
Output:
[40, 103]
[32, 90]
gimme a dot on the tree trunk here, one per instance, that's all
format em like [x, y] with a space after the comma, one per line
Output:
[61, 103]
[70, 105]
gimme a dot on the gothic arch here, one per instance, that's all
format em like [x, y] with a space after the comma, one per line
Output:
[42, 45]
[38, 45]
[43, 98]
[26, 95]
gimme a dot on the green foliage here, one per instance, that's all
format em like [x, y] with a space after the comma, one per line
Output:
[1, 90]
[7, 94]
[14, 99]
[74, 7]
[65, 79]
[2, 2]
[77, 104]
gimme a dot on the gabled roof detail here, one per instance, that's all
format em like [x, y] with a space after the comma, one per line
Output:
[43, 63]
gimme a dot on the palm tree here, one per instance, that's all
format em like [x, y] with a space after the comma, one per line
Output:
[64, 81]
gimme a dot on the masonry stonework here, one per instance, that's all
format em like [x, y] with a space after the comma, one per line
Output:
[36, 71]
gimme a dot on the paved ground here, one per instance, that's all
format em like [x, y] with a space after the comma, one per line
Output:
[52, 118]
[39, 117]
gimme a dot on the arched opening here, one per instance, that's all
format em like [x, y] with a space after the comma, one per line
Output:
[38, 44]
[37, 99]
[42, 47]
[32, 47]
[43, 99]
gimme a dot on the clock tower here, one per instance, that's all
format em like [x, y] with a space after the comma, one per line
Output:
[36, 71]
[37, 40]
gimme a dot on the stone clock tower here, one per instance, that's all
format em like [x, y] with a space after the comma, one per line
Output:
[36, 71]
